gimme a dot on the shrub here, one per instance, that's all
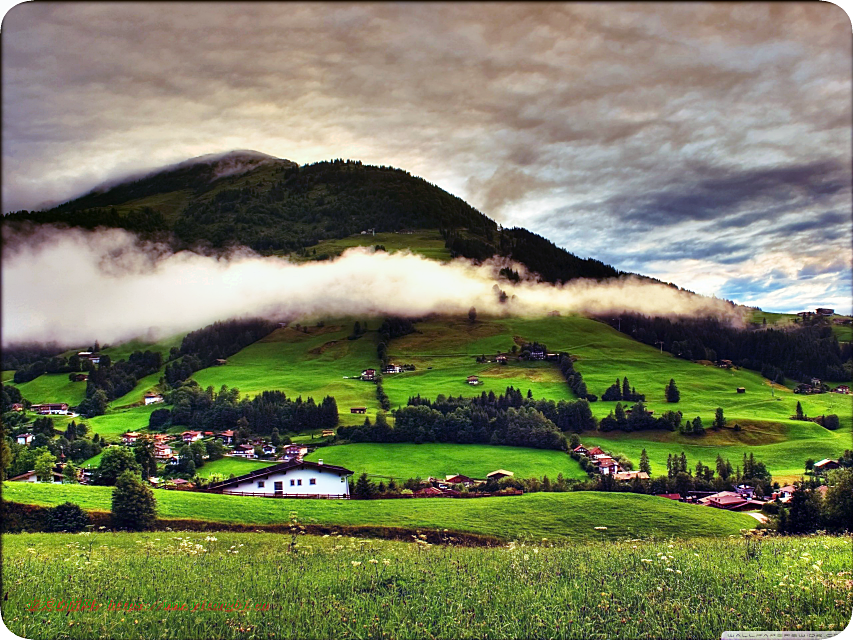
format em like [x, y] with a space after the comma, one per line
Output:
[67, 517]
[133, 505]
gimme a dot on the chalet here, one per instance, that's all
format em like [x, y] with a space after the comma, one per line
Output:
[730, 501]
[24, 438]
[129, 439]
[429, 492]
[94, 358]
[244, 451]
[152, 398]
[295, 478]
[824, 312]
[725, 364]
[537, 354]
[596, 451]
[268, 449]
[227, 437]
[368, 374]
[741, 389]
[842, 388]
[51, 408]
[162, 451]
[392, 368]
[582, 450]
[606, 465]
[191, 436]
[815, 382]
[358, 410]
[473, 380]
[501, 359]
[630, 475]
[825, 465]
[459, 479]
[220, 361]
[328, 433]
[295, 451]
[30, 476]
[160, 438]
[745, 490]
[783, 494]
[500, 473]
[17, 406]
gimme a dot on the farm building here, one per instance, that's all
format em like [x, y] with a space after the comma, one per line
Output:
[392, 368]
[24, 438]
[227, 437]
[537, 354]
[295, 451]
[368, 374]
[825, 465]
[129, 438]
[824, 312]
[815, 382]
[501, 359]
[500, 473]
[582, 450]
[191, 436]
[328, 433]
[596, 451]
[358, 410]
[730, 501]
[51, 408]
[473, 380]
[630, 475]
[17, 406]
[842, 388]
[162, 451]
[741, 389]
[295, 478]
[606, 465]
[459, 479]
[152, 398]
[669, 496]
[244, 451]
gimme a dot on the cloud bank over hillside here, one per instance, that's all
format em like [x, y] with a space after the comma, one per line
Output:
[76, 286]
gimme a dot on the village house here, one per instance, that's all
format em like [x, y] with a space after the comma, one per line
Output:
[537, 354]
[783, 494]
[745, 490]
[227, 437]
[294, 478]
[162, 451]
[815, 382]
[473, 380]
[552, 356]
[606, 465]
[842, 388]
[596, 451]
[459, 479]
[160, 438]
[368, 374]
[30, 476]
[129, 439]
[17, 406]
[296, 451]
[24, 438]
[51, 408]
[94, 358]
[582, 450]
[268, 449]
[501, 359]
[824, 312]
[392, 368]
[244, 451]
[825, 465]
[152, 398]
[725, 364]
[358, 410]
[731, 501]
[191, 436]
[500, 473]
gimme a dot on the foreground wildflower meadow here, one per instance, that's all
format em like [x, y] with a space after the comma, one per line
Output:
[238, 585]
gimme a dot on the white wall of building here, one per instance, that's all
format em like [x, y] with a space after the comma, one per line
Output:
[295, 481]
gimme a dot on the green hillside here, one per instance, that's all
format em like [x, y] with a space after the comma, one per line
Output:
[536, 515]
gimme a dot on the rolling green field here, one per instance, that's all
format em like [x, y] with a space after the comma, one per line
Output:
[356, 588]
[223, 468]
[402, 460]
[307, 364]
[111, 425]
[572, 516]
[52, 387]
[428, 243]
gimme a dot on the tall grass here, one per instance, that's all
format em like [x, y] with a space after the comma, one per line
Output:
[334, 587]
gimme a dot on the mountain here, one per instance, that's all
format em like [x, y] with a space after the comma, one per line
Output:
[274, 206]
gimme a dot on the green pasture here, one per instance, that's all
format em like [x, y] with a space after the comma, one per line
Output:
[223, 468]
[349, 588]
[52, 387]
[112, 424]
[313, 364]
[428, 243]
[536, 515]
[402, 460]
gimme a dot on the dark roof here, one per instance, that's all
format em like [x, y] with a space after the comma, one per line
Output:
[276, 468]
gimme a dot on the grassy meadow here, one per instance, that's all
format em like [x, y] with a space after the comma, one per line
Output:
[340, 587]
[223, 468]
[405, 460]
[427, 242]
[570, 516]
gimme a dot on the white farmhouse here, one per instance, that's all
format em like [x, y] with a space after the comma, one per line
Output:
[294, 478]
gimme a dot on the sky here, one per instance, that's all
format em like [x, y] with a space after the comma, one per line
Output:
[705, 144]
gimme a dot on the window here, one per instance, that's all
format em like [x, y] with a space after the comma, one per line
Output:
[279, 487]
[292, 483]
[260, 484]
[312, 481]
[299, 482]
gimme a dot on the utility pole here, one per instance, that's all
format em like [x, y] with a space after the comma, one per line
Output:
[660, 342]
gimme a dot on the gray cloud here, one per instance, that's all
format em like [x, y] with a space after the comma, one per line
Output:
[596, 125]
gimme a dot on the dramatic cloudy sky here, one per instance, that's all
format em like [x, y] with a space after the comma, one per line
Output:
[705, 144]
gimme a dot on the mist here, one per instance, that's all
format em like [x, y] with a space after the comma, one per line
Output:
[74, 286]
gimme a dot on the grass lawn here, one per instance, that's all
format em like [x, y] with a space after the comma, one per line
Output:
[224, 467]
[356, 588]
[111, 425]
[403, 461]
[52, 387]
[427, 243]
[308, 364]
[123, 350]
[536, 515]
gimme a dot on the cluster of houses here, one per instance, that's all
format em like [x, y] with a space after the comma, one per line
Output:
[94, 358]
[166, 446]
[606, 465]
[808, 388]
[48, 409]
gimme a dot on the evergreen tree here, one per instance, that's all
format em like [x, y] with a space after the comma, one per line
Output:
[133, 504]
[626, 388]
[364, 487]
[67, 517]
[672, 393]
[719, 419]
[644, 462]
[800, 414]
[698, 429]
[143, 453]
